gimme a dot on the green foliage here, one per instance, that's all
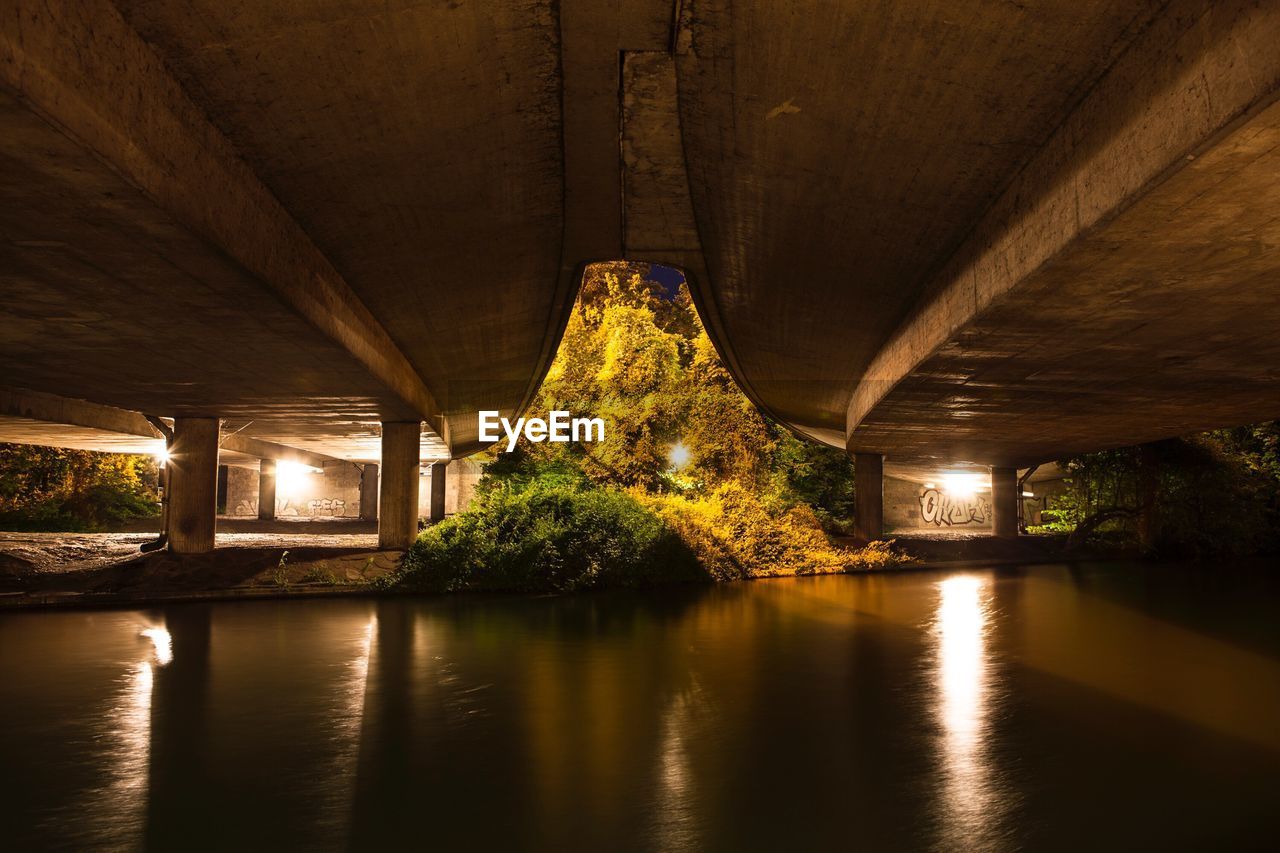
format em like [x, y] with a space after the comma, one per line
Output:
[46, 488]
[320, 574]
[548, 539]
[1216, 493]
[736, 534]
[751, 501]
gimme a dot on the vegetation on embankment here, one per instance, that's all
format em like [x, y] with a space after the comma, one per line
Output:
[691, 483]
[59, 490]
[566, 538]
[1211, 494]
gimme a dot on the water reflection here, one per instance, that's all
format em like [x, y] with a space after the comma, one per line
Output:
[890, 712]
[116, 810]
[968, 803]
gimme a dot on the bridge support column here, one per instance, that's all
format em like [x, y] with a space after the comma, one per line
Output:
[193, 485]
[868, 492]
[398, 491]
[369, 491]
[436, 505]
[1004, 501]
[1148, 494]
[267, 490]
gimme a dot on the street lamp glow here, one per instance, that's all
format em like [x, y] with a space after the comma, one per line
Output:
[292, 476]
[679, 456]
[961, 484]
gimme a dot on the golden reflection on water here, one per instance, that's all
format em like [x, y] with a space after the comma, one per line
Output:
[968, 805]
[677, 813]
[117, 808]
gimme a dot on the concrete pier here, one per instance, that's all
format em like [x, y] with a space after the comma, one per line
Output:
[193, 485]
[369, 491]
[398, 491]
[1004, 501]
[868, 477]
[439, 475]
[267, 490]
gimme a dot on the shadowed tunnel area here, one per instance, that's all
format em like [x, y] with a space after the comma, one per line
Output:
[991, 236]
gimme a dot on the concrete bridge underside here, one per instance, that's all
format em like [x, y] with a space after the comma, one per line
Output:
[990, 233]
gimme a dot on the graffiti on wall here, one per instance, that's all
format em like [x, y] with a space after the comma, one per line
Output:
[285, 508]
[938, 508]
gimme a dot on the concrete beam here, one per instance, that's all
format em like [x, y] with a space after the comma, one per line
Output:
[83, 68]
[250, 446]
[593, 36]
[398, 490]
[193, 485]
[37, 406]
[1178, 121]
[55, 410]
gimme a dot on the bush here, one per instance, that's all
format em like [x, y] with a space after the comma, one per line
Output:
[737, 535]
[548, 539]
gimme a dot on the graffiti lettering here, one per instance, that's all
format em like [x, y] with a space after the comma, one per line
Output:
[938, 508]
[328, 506]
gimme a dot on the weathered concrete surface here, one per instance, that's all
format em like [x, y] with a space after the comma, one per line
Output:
[29, 417]
[398, 485]
[96, 121]
[868, 491]
[193, 485]
[69, 569]
[919, 229]
[837, 156]
[1125, 286]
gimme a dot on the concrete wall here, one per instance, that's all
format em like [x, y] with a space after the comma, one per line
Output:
[333, 492]
[459, 487]
[910, 507]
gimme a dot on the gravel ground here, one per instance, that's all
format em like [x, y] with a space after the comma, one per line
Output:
[44, 553]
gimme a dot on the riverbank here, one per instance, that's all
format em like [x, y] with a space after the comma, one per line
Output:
[104, 569]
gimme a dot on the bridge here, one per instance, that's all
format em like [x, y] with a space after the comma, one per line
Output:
[934, 233]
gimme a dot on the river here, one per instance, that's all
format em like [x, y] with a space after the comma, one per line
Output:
[1099, 707]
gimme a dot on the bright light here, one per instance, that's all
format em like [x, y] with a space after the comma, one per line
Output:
[162, 642]
[679, 456]
[291, 477]
[163, 456]
[961, 484]
[1028, 495]
[930, 486]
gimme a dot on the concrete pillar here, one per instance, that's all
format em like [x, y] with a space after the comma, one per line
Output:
[267, 490]
[398, 492]
[1004, 501]
[1149, 495]
[868, 492]
[193, 485]
[369, 491]
[438, 479]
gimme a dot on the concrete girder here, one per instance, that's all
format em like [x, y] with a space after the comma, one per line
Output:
[1124, 286]
[85, 72]
[31, 417]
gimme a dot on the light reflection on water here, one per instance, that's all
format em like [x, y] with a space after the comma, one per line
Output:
[976, 711]
[970, 809]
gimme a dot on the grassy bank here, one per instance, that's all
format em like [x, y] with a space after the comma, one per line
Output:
[562, 538]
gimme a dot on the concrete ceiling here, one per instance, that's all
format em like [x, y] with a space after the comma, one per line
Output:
[982, 232]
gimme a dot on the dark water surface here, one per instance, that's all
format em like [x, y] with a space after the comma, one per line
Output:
[1048, 708]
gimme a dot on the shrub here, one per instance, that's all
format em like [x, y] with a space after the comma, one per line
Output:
[735, 534]
[548, 539]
